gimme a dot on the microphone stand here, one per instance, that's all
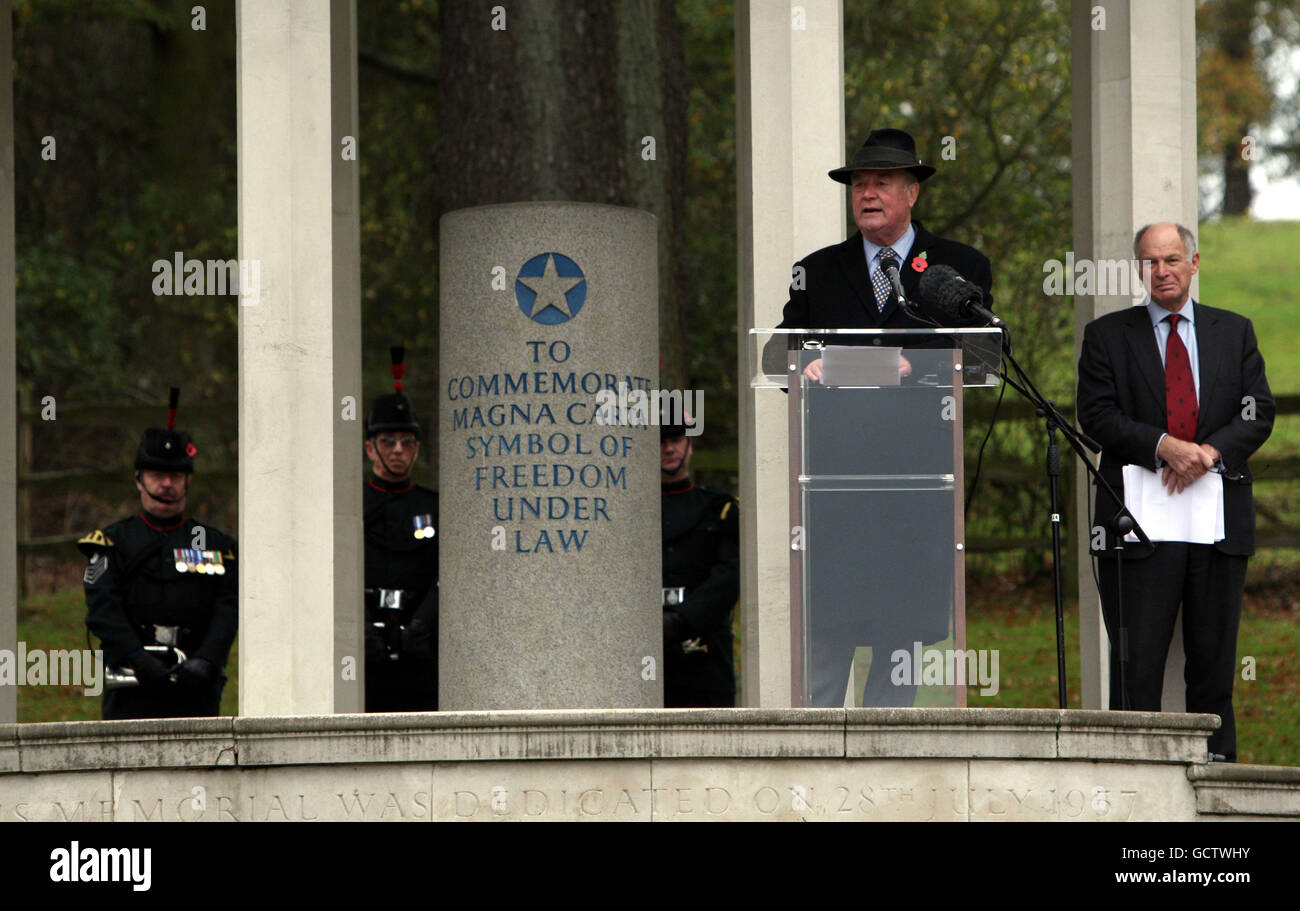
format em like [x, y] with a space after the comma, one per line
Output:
[1123, 523]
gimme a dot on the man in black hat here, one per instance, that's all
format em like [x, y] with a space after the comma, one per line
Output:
[701, 573]
[844, 286]
[162, 591]
[401, 561]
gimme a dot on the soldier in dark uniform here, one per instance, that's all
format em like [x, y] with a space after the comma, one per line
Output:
[401, 561]
[158, 582]
[701, 567]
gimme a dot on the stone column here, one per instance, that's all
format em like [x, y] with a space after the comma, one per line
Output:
[789, 133]
[1134, 112]
[549, 567]
[8, 368]
[300, 414]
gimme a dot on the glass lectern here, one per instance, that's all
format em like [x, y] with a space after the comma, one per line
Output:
[877, 593]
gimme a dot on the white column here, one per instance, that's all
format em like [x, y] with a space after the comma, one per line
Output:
[790, 132]
[1134, 163]
[8, 368]
[300, 413]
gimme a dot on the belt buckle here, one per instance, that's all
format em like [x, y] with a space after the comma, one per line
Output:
[674, 596]
[166, 635]
[390, 598]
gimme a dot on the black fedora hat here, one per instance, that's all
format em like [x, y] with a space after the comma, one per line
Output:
[884, 150]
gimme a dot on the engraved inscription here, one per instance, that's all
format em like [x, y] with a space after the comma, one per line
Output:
[775, 799]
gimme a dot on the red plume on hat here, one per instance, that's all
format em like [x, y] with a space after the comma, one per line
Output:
[173, 400]
[399, 368]
[167, 449]
[393, 411]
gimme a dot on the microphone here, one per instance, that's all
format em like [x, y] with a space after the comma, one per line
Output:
[953, 298]
[890, 268]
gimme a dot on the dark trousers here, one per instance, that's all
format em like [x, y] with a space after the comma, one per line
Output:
[163, 700]
[829, 676]
[409, 684]
[1208, 584]
[689, 697]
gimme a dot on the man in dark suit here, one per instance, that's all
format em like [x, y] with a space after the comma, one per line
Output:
[843, 286]
[1175, 387]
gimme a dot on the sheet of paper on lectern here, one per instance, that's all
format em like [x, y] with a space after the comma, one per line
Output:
[1194, 516]
[847, 365]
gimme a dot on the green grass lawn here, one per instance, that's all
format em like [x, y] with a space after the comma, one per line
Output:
[1253, 268]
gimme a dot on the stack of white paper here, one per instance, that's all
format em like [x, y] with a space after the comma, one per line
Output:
[1194, 516]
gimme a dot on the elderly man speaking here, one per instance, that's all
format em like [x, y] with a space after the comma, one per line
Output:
[845, 286]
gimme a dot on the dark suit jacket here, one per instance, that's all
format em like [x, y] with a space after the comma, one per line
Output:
[837, 292]
[1121, 404]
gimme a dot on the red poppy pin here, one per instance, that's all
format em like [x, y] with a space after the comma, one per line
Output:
[191, 450]
[920, 263]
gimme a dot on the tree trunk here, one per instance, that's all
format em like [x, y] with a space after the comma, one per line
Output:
[558, 106]
[1237, 195]
[1235, 42]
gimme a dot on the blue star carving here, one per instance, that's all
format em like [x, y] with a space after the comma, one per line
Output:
[550, 289]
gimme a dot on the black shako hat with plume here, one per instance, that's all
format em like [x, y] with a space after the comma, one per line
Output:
[392, 411]
[675, 427]
[166, 448]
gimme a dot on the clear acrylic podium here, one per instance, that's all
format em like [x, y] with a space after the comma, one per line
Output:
[877, 586]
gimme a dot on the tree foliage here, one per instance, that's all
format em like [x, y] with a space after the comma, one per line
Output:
[1235, 95]
[985, 89]
[708, 310]
[399, 47]
[124, 154]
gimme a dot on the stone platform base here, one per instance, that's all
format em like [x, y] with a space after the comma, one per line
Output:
[639, 764]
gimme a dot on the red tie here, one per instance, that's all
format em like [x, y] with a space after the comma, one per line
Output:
[1180, 391]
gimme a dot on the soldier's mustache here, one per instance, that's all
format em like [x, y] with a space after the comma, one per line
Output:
[164, 499]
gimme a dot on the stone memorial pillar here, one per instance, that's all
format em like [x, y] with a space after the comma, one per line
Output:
[549, 566]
